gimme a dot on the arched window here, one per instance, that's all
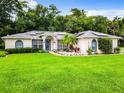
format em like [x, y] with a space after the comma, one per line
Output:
[18, 44]
[94, 45]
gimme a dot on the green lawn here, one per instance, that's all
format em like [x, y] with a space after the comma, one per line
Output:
[46, 73]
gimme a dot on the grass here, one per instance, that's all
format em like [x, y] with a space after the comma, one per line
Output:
[46, 73]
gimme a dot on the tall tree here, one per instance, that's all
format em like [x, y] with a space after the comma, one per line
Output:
[77, 12]
[8, 8]
[49, 19]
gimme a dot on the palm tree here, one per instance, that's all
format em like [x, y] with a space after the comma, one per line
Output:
[70, 40]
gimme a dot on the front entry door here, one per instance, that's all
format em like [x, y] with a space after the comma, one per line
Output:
[48, 44]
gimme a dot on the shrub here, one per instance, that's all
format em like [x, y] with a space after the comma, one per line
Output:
[89, 51]
[117, 50]
[3, 53]
[24, 50]
[66, 49]
[105, 45]
[40, 51]
[2, 45]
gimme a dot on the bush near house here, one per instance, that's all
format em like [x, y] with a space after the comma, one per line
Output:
[89, 51]
[117, 50]
[23, 50]
[3, 53]
[105, 45]
[2, 45]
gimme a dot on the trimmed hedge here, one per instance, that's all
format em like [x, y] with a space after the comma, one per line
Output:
[3, 53]
[105, 45]
[23, 50]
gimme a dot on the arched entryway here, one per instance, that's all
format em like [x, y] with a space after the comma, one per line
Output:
[48, 43]
[94, 45]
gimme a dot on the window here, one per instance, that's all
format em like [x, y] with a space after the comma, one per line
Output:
[18, 44]
[61, 45]
[37, 43]
[94, 45]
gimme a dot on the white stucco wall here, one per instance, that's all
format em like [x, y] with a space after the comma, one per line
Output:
[84, 44]
[114, 43]
[10, 43]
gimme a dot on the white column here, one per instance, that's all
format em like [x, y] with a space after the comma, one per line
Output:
[114, 43]
[97, 45]
[44, 45]
[52, 45]
[56, 43]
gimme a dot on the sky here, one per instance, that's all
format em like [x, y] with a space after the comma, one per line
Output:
[108, 8]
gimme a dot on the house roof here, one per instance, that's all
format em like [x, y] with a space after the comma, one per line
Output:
[58, 35]
[35, 35]
[93, 34]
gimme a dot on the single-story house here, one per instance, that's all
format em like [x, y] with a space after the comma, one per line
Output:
[53, 40]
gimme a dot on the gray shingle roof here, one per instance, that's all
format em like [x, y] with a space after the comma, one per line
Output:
[59, 35]
[35, 34]
[93, 34]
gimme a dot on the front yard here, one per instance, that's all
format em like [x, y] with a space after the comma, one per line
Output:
[46, 73]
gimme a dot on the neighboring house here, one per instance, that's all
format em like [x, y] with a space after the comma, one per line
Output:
[53, 40]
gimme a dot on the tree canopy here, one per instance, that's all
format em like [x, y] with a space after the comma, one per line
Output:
[17, 17]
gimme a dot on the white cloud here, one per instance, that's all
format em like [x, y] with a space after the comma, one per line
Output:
[31, 3]
[107, 13]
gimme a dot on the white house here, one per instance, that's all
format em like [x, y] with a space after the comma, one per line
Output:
[53, 40]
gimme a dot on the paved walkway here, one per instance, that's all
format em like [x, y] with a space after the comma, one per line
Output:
[51, 52]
